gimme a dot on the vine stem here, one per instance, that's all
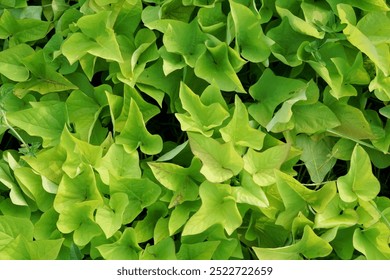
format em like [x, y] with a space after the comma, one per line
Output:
[317, 184]
[356, 141]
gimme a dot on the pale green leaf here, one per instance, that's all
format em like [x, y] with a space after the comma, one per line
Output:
[217, 199]
[250, 39]
[46, 121]
[239, 131]
[317, 156]
[359, 182]
[135, 134]
[220, 161]
[199, 117]
[261, 165]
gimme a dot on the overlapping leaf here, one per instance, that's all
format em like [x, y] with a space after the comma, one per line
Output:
[200, 117]
[359, 181]
[220, 161]
[217, 199]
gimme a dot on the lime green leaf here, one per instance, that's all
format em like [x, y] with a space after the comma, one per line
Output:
[83, 112]
[31, 184]
[177, 10]
[199, 117]
[9, 208]
[12, 227]
[141, 193]
[286, 43]
[214, 66]
[126, 248]
[298, 225]
[359, 181]
[368, 213]
[369, 42]
[342, 244]
[110, 218]
[317, 156]
[198, 251]
[373, 242]
[174, 152]
[365, 5]
[250, 39]
[380, 85]
[216, 199]
[80, 189]
[353, 123]
[239, 131]
[177, 179]
[266, 232]
[296, 198]
[45, 227]
[128, 16]
[185, 39]
[334, 215]
[220, 161]
[136, 54]
[7, 180]
[120, 107]
[97, 38]
[23, 249]
[265, 90]
[22, 30]
[11, 64]
[164, 250]
[261, 165]
[161, 230]
[212, 20]
[282, 120]
[299, 25]
[48, 163]
[79, 219]
[171, 61]
[46, 121]
[180, 215]
[212, 94]
[135, 135]
[313, 118]
[76, 46]
[118, 163]
[78, 153]
[45, 79]
[155, 83]
[144, 230]
[310, 246]
[250, 193]
[199, 3]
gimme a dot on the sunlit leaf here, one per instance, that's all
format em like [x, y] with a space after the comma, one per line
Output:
[126, 248]
[46, 121]
[216, 199]
[310, 246]
[253, 44]
[199, 117]
[135, 135]
[359, 181]
[220, 161]
[239, 131]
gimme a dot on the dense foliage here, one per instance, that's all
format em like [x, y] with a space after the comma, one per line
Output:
[194, 129]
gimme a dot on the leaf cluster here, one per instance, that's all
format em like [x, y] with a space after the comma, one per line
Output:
[192, 129]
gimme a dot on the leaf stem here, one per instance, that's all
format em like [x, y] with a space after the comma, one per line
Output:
[356, 141]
